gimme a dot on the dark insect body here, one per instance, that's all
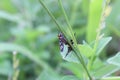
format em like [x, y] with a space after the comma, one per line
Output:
[63, 41]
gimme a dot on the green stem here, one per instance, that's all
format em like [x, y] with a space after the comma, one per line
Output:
[83, 63]
[97, 37]
[68, 22]
[94, 51]
[53, 18]
[76, 52]
[59, 27]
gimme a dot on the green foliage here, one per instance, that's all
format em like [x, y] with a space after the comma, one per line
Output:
[25, 27]
[22, 50]
[45, 75]
[105, 70]
[115, 60]
[76, 69]
[94, 16]
[87, 50]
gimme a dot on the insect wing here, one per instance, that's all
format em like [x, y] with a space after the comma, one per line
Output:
[70, 55]
[61, 45]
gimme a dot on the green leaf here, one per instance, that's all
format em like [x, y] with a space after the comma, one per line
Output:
[102, 43]
[10, 17]
[115, 59]
[94, 15]
[85, 49]
[105, 70]
[70, 78]
[95, 64]
[110, 78]
[48, 75]
[23, 50]
[75, 68]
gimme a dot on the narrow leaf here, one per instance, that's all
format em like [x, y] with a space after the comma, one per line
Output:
[102, 43]
[115, 59]
[10, 17]
[86, 50]
[105, 70]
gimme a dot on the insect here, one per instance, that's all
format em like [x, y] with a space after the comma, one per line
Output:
[63, 42]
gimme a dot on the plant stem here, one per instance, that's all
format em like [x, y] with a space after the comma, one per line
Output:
[53, 18]
[15, 65]
[68, 22]
[83, 63]
[76, 51]
[102, 19]
[50, 14]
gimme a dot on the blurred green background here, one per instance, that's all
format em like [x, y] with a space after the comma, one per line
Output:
[25, 27]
